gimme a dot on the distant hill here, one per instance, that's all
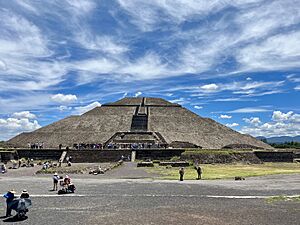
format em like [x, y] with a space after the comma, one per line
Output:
[280, 139]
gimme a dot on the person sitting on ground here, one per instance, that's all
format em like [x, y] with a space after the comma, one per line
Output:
[67, 180]
[10, 195]
[24, 194]
[99, 170]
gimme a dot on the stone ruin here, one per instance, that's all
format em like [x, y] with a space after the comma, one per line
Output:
[138, 122]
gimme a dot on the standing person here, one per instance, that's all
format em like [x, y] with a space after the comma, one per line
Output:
[10, 195]
[55, 181]
[3, 169]
[181, 173]
[199, 172]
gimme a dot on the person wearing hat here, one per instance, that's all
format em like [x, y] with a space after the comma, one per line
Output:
[10, 195]
[55, 181]
[24, 194]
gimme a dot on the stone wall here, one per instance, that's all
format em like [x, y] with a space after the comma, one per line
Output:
[7, 155]
[282, 156]
[158, 153]
[208, 158]
[91, 156]
[40, 154]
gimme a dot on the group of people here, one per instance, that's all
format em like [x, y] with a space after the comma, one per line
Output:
[197, 168]
[135, 146]
[37, 145]
[65, 182]
[10, 197]
[15, 164]
[84, 146]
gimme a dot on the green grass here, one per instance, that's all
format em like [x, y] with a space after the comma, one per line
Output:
[227, 171]
[64, 170]
[282, 198]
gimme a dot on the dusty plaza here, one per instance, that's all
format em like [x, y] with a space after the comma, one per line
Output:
[130, 195]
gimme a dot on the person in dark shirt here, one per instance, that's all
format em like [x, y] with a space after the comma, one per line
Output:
[10, 195]
[181, 173]
[199, 172]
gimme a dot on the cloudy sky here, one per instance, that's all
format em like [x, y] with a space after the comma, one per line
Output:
[237, 61]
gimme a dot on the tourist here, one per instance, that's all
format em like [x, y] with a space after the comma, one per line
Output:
[3, 169]
[55, 181]
[199, 172]
[24, 194]
[181, 173]
[67, 180]
[10, 195]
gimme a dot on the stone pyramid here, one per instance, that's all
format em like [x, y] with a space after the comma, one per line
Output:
[151, 121]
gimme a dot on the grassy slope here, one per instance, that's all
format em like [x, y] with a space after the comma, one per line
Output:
[225, 171]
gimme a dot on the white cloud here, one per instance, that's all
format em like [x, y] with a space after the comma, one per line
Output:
[12, 126]
[180, 101]
[63, 108]
[232, 124]
[23, 114]
[277, 52]
[229, 99]
[294, 78]
[149, 66]
[65, 99]
[248, 78]
[2, 65]
[209, 87]
[250, 110]
[282, 124]
[243, 88]
[150, 15]
[105, 44]
[252, 120]
[225, 117]
[137, 94]
[297, 88]
[280, 116]
[81, 6]
[83, 109]
[198, 107]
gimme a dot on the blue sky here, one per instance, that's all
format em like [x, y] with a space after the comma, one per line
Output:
[237, 62]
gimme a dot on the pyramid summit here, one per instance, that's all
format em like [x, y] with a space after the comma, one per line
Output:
[141, 121]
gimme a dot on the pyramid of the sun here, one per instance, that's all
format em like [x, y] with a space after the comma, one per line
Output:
[137, 120]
